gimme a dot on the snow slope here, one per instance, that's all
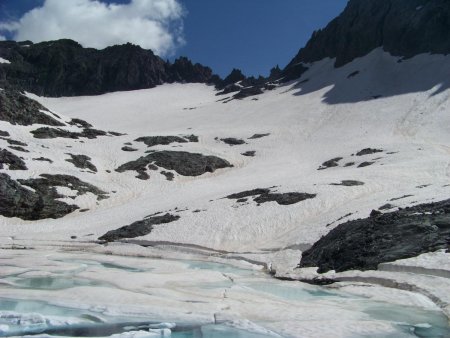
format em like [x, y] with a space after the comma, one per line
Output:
[304, 130]
[401, 108]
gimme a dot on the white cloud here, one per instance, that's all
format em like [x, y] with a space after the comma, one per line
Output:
[152, 24]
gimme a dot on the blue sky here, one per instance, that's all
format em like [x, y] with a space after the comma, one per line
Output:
[253, 35]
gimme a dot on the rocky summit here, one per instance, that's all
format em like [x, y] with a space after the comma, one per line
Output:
[402, 27]
[65, 68]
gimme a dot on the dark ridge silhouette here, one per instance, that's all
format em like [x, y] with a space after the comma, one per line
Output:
[402, 28]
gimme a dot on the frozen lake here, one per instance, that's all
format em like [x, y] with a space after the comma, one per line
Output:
[92, 295]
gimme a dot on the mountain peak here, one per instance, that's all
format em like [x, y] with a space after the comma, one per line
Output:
[402, 27]
[65, 68]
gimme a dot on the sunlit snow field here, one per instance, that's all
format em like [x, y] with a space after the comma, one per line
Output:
[54, 275]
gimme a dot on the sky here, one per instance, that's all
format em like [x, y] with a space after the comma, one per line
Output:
[252, 35]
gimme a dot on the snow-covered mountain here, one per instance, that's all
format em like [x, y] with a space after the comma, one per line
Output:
[361, 132]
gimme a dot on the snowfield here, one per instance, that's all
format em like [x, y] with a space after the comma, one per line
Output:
[401, 108]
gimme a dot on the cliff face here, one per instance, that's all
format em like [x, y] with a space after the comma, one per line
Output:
[65, 68]
[402, 27]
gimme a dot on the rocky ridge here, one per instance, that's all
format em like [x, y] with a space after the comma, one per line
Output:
[401, 27]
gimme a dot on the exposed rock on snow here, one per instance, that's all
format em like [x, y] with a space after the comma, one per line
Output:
[14, 162]
[184, 163]
[365, 243]
[16, 108]
[17, 148]
[46, 186]
[82, 161]
[232, 141]
[264, 196]
[285, 198]
[256, 136]
[128, 148]
[246, 92]
[368, 151]
[49, 133]
[43, 159]
[152, 141]
[365, 164]
[14, 142]
[334, 162]
[17, 201]
[4, 133]
[169, 176]
[80, 123]
[387, 206]
[349, 183]
[250, 153]
[139, 228]
[249, 193]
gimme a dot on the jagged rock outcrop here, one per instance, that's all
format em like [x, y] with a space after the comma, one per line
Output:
[17, 201]
[402, 27]
[82, 162]
[46, 183]
[65, 68]
[12, 161]
[41, 201]
[264, 195]
[49, 133]
[139, 228]
[152, 141]
[184, 163]
[16, 108]
[364, 243]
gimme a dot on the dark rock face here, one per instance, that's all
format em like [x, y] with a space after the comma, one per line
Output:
[265, 195]
[17, 201]
[16, 143]
[169, 176]
[365, 164]
[183, 70]
[349, 183]
[19, 149]
[139, 228]
[65, 68]
[184, 163]
[16, 108]
[368, 151]
[82, 162]
[402, 27]
[250, 153]
[363, 244]
[232, 141]
[256, 136]
[4, 133]
[284, 199]
[80, 123]
[13, 162]
[334, 162]
[248, 193]
[234, 77]
[191, 138]
[230, 89]
[43, 159]
[152, 141]
[386, 206]
[45, 186]
[128, 148]
[49, 133]
[246, 92]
